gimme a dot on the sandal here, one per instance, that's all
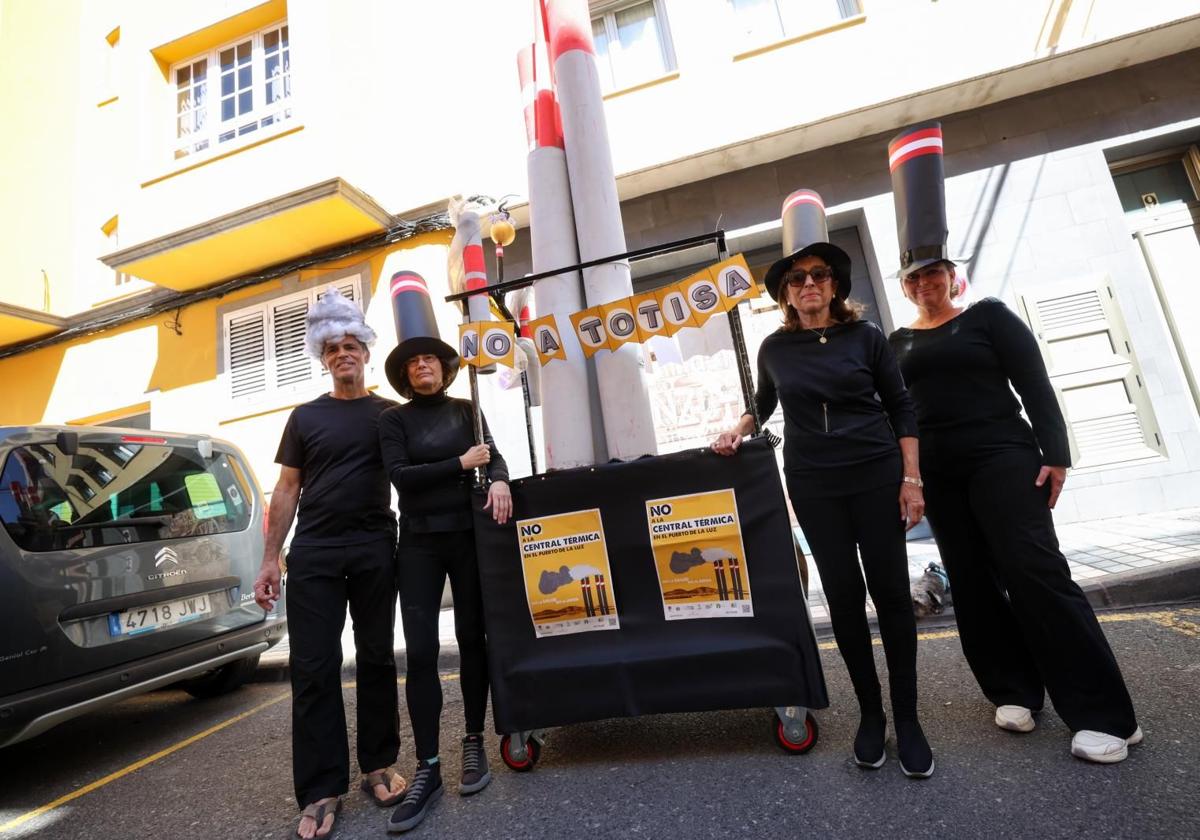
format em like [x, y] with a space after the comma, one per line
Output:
[383, 777]
[317, 812]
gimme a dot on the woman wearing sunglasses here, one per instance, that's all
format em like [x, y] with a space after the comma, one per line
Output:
[850, 463]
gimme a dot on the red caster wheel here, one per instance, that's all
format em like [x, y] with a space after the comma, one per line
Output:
[525, 763]
[806, 743]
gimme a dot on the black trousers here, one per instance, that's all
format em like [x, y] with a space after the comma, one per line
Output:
[423, 562]
[321, 582]
[1024, 624]
[839, 530]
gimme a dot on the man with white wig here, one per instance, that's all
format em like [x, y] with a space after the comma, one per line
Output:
[341, 555]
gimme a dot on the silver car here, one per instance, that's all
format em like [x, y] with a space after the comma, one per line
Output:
[127, 560]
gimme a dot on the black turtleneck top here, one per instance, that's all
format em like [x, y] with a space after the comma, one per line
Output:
[421, 442]
[844, 406]
[962, 375]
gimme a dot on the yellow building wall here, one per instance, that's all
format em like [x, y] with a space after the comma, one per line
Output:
[40, 71]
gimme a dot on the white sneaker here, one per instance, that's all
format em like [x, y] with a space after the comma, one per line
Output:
[1102, 748]
[1015, 718]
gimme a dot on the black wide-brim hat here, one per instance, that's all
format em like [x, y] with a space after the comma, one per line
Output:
[396, 364]
[832, 255]
[416, 332]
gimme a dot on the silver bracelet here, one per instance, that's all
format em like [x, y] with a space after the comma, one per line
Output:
[914, 481]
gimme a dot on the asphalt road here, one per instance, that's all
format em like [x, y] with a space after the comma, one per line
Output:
[166, 765]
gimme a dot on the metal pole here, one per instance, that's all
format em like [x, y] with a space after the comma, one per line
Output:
[473, 377]
[739, 348]
[533, 468]
[636, 254]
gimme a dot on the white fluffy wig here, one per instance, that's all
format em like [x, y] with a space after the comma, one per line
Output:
[332, 317]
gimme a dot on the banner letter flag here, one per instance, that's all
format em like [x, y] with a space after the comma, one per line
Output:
[734, 281]
[648, 312]
[546, 339]
[468, 344]
[589, 326]
[619, 322]
[496, 343]
[702, 296]
[676, 313]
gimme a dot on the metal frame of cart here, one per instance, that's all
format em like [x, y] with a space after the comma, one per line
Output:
[795, 728]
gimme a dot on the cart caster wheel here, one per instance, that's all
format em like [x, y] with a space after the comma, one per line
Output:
[796, 747]
[533, 751]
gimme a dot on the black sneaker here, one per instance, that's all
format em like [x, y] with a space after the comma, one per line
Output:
[869, 749]
[475, 773]
[916, 758]
[423, 791]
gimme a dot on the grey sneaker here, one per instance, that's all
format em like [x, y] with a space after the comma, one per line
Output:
[475, 772]
[424, 790]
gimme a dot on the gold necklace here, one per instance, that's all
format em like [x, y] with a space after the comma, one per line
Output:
[820, 335]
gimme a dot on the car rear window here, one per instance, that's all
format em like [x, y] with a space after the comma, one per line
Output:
[119, 491]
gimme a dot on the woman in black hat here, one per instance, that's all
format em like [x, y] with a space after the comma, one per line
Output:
[992, 479]
[430, 453]
[850, 463]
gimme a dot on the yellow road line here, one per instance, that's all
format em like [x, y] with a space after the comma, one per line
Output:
[138, 765]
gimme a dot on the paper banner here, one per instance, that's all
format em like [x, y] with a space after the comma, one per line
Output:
[648, 312]
[619, 322]
[496, 343]
[468, 345]
[547, 340]
[589, 326]
[699, 556]
[675, 310]
[702, 296]
[734, 281]
[568, 581]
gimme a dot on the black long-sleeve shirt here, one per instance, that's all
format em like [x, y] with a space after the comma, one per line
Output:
[421, 442]
[837, 439]
[959, 375]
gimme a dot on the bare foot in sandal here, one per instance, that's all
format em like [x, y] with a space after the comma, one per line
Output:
[319, 818]
[386, 787]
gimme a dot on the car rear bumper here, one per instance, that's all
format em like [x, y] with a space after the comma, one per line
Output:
[30, 713]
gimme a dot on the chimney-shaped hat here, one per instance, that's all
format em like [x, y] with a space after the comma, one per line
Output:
[918, 186]
[806, 234]
[416, 332]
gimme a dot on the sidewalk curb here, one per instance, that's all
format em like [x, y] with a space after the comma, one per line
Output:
[1178, 580]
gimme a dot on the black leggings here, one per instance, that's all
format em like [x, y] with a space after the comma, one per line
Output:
[838, 531]
[1023, 622]
[423, 562]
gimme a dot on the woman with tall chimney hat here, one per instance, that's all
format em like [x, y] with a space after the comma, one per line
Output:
[992, 479]
[332, 482]
[851, 468]
[430, 454]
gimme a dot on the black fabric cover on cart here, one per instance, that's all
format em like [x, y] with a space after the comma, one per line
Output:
[650, 665]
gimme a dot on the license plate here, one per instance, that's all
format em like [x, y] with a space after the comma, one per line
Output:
[156, 616]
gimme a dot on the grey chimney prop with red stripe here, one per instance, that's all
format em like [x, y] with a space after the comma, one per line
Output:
[805, 234]
[918, 187]
[416, 332]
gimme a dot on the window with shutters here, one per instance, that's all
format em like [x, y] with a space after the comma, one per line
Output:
[233, 93]
[1093, 367]
[263, 347]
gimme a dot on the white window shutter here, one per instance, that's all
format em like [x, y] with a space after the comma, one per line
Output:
[1093, 368]
[292, 364]
[247, 353]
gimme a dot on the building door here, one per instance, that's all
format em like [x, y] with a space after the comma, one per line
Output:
[1161, 199]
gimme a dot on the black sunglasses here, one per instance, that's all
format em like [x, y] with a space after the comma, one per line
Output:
[798, 276]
